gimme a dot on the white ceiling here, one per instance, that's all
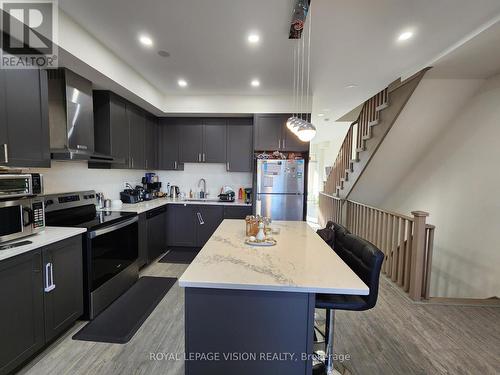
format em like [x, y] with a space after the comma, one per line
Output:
[477, 58]
[354, 42]
[206, 39]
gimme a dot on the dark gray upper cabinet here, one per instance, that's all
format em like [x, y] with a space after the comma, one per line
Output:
[169, 146]
[291, 142]
[181, 224]
[268, 131]
[24, 127]
[21, 315]
[64, 303]
[208, 219]
[191, 140]
[111, 127]
[239, 145]
[151, 142]
[271, 134]
[214, 141]
[136, 120]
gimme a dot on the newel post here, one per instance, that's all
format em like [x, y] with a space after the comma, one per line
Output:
[417, 255]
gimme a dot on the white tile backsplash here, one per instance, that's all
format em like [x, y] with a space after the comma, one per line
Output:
[215, 174]
[65, 176]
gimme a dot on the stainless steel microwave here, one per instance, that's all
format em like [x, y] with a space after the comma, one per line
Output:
[21, 218]
[20, 185]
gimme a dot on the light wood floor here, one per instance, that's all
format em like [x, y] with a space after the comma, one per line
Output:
[396, 337]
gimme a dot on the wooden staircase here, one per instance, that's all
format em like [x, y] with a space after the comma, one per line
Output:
[365, 135]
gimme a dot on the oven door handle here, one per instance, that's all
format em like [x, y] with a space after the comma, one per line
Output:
[100, 232]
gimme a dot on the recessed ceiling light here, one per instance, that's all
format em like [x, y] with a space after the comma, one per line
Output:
[255, 83]
[182, 82]
[405, 36]
[321, 114]
[253, 38]
[146, 40]
[351, 86]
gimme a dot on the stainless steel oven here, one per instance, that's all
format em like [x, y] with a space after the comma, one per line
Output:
[14, 185]
[20, 218]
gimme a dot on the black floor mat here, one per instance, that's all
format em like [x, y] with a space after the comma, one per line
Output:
[121, 320]
[180, 255]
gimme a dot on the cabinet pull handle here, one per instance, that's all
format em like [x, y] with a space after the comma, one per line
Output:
[49, 278]
[132, 162]
[203, 157]
[5, 153]
[284, 143]
[279, 143]
[200, 218]
[175, 164]
[146, 163]
[228, 166]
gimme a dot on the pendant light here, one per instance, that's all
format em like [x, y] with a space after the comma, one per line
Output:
[307, 131]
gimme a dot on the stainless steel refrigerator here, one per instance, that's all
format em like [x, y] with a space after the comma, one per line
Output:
[280, 189]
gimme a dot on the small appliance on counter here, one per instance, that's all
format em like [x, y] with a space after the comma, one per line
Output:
[174, 191]
[227, 196]
[248, 195]
[130, 196]
[21, 212]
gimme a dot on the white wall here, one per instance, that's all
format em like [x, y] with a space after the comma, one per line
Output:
[75, 176]
[455, 178]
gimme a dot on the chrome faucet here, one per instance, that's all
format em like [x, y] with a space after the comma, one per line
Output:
[203, 192]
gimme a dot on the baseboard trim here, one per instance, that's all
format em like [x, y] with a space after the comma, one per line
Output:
[482, 302]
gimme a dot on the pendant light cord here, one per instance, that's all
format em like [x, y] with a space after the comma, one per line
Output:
[302, 82]
[308, 61]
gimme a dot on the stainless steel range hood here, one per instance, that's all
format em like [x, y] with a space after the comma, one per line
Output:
[71, 118]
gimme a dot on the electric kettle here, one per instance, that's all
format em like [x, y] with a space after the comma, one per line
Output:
[174, 191]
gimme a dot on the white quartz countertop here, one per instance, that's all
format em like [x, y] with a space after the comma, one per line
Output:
[300, 262]
[48, 236]
[155, 203]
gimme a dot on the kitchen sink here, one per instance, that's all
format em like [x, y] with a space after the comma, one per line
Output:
[201, 199]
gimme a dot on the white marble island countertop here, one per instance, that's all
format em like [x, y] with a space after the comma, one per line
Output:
[300, 262]
[46, 237]
[155, 203]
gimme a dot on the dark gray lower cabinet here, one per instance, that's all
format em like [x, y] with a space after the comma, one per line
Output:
[157, 240]
[21, 314]
[181, 225]
[209, 217]
[142, 258]
[237, 212]
[42, 295]
[192, 225]
[64, 304]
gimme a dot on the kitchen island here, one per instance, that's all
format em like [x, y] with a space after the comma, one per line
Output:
[250, 310]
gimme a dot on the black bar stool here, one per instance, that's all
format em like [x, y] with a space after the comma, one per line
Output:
[365, 259]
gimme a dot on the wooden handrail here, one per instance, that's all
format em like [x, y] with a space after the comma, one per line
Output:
[379, 209]
[353, 143]
[406, 241]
